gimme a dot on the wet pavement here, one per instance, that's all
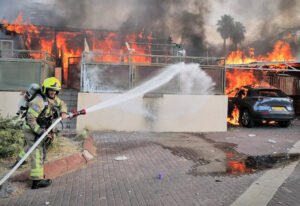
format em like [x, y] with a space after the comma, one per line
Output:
[156, 175]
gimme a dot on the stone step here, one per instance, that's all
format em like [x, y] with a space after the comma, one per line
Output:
[70, 97]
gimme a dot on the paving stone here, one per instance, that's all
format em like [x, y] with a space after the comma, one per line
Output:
[135, 181]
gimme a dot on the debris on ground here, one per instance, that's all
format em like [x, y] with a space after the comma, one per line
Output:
[272, 141]
[120, 158]
[270, 161]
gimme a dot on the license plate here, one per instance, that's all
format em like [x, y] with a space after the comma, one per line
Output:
[278, 108]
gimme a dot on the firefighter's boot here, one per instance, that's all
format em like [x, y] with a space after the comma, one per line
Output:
[36, 184]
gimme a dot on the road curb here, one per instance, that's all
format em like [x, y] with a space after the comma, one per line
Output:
[65, 164]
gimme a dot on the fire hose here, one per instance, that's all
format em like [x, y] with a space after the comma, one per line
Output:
[70, 115]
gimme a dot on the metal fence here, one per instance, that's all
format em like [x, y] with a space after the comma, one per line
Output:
[20, 68]
[282, 75]
[115, 72]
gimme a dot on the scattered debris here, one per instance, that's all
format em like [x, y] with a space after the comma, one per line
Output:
[160, 176]
[272, 141]
[47, 203]
[120, 158]
[269, 161]
[252, 135]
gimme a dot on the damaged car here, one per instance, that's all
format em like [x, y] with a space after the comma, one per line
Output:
[262, 104]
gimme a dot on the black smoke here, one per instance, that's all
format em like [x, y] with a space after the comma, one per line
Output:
[180, 21]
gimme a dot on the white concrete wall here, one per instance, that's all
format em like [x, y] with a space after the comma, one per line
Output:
[9, 103]
[169, 113]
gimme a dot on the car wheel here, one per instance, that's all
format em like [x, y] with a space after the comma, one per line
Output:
[246, 119]
[284, 123]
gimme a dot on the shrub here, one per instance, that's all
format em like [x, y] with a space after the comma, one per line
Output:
[82, 134]
[11, 136]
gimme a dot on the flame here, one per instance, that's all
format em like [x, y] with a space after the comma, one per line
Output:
[236, 167]
[237, 78]
[282, 52]
[64, 41]
[71, 44]
[234, 120]
[111, 46]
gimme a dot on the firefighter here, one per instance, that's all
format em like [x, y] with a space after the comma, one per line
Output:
[41, 111]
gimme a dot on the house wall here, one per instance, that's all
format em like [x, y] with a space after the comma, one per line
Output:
[166, 113]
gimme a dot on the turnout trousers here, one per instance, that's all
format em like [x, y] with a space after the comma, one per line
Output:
[36, 157]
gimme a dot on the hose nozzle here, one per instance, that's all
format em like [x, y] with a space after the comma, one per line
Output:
[75, 113]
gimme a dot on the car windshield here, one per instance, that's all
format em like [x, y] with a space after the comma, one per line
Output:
[270, 93]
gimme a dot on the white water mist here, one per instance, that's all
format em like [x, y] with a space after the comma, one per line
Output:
[190, 75]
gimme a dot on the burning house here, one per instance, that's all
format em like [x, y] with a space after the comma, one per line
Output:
[99, 61]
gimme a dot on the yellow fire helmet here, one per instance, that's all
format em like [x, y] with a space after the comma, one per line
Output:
[51, 83]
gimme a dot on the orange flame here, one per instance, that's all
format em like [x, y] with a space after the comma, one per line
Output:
[64, 41]
[282, 52]
[238, 78]
[236, 167]
[234, 120]
[71, 44]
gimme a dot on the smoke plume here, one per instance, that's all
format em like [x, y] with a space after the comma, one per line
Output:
[191, 23]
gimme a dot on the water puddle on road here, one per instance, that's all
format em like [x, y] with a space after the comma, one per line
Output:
[224, 160]
[252, 164]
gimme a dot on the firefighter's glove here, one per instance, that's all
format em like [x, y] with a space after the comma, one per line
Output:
[50, 138]
[64, 115]
[54, 130]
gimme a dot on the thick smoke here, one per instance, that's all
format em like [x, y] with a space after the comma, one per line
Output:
[266, 21]
[181, 21]
[191, 23]
[176, 20]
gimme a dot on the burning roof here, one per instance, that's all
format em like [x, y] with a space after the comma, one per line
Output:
[67, 43]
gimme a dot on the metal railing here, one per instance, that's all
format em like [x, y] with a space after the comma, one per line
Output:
[133, 61]
[266, 66]
[19, 68]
